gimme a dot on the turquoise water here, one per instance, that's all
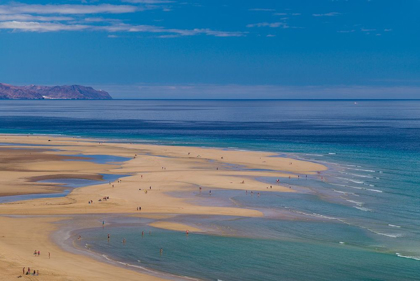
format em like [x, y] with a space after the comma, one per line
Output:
[68, 183]
[99, 159]
[266, 255]
[368, 200]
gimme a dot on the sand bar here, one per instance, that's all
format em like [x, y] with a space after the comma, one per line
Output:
[152, 175]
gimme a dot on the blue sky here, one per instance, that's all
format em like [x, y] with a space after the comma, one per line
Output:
[215, 48]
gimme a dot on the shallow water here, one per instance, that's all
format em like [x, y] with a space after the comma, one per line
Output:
[68, 183]
[269, 255]
[99, 159]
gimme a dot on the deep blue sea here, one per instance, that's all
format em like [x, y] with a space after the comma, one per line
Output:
[361, 222]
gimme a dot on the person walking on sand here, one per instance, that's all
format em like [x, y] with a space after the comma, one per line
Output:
[39, 253]
[23, 271]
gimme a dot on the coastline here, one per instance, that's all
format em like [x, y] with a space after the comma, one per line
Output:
[166, 168]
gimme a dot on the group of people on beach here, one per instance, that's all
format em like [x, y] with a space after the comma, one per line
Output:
[105, 198]
[38, 253]
[118, 181]
[28, 272]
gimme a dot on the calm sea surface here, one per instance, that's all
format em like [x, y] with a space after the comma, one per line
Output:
[361, 223]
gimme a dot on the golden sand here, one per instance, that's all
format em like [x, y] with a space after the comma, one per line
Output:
[175, 226]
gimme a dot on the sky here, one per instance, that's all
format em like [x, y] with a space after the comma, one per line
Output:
[205, 49]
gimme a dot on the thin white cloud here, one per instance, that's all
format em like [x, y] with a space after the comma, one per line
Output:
[172, 32]
[147, 1]
[331, 14]
[67, 9]
[262, 10]
[368, 29]
[53, 18]
[269, 24]
[55, 27]
[25, 17]
[287, 14]
[40, 26]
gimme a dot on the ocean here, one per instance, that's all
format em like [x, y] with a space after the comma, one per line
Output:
[361, 223]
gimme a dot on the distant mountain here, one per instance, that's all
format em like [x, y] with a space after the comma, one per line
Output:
[34, 92]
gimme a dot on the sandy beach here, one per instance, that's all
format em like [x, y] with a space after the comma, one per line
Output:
[149, 179]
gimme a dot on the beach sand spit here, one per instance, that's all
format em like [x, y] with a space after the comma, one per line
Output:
[152, 176]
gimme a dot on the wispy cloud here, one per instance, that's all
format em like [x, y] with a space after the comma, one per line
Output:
[262, 10]
[67, 9]
[53, 18]
[115, 28]
[269, 24]
[331, 14]
[172, 32]
[40, 26]
[287, 14]
[147, 1]
[25, 17]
